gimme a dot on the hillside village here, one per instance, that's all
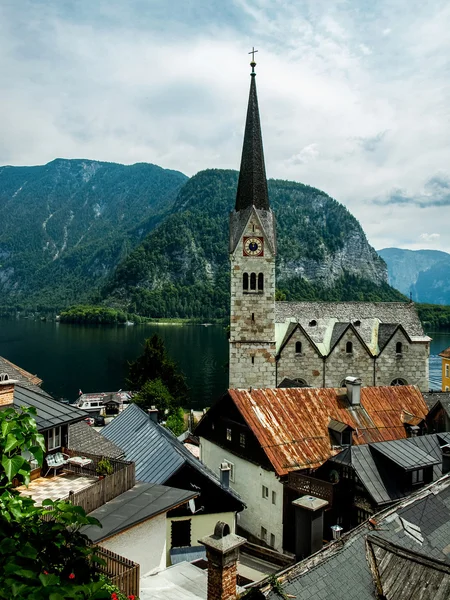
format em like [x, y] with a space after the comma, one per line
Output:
[322, 473]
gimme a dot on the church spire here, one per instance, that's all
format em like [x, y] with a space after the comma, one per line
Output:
[252, 185]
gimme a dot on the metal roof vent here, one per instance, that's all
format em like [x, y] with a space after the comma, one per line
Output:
[337, 531]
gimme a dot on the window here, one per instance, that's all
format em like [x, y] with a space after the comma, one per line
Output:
[274, 497]
[261, 282]
[263, 534]
[398, 347]
[228, 435]
[265, 492]
[399, 381]
[253, 360]
[447, 388]
[4, 376]
[298, 347]
[181, 533]
[301, 382]
[231, 465]
[447, 369]
[417, 477]
[54, 438]
[253, 316]
[349, 347]
[253, 281]
[362, 515]
[357, 323]
[245, 281]
[346, 438]
[242, 440]
[272, 540]
[313, 323]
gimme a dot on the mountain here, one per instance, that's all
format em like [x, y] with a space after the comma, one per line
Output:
[67, 224]
[423, 273]
[182, 267]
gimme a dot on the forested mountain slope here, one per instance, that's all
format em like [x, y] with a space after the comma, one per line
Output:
[67, 224]
[423, 273]
[182, 267]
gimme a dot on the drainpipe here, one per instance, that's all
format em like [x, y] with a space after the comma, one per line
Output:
[324, 359]
[374, 370]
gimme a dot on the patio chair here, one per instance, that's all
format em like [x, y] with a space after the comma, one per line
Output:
[55, 461]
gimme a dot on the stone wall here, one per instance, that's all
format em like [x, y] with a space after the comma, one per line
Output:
[340, 363]
[252, 319]
[411, 365]
[306, 365]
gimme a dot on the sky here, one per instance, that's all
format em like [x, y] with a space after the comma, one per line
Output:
[354, 95]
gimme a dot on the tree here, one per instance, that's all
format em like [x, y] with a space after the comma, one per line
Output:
[43, 554]
[154, 393]
[155, 363]
[175, 422]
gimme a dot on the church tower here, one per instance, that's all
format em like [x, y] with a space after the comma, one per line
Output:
[252, 256]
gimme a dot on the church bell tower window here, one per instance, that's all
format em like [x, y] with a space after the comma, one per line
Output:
[261, 282]
[253, 281]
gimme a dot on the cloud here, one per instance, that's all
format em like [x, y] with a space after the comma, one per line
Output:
[354, 100]
[430, 237]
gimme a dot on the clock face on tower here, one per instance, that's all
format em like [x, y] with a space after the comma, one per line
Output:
[253, 246]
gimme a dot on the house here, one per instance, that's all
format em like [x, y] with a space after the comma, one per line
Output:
[23, 378]
[161, 458]
[445, 354]
[438, 418]
[267, 435]
[313, 343]
[399, 554]
[85, 439]
[370, 477]
[134, 523]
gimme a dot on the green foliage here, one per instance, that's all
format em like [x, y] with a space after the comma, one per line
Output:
[104, 467]
[434, 316]
[154, 393]
[175, 422]
[154, 363]
[43, 554]
[92, 314]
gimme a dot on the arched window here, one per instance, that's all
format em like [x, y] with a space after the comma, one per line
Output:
[399, 381]
[253, 281]
[349, 347]
[298, 347]
[261, 281]
[398, 347]
[4, 376]
[300, 382]
[245, 281]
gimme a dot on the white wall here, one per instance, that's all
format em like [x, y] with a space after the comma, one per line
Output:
[144, 543]
[201, 526]
[248, 481]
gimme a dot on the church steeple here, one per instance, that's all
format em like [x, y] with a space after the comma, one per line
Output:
[252, 185]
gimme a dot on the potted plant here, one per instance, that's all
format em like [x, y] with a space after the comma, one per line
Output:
[104, 467]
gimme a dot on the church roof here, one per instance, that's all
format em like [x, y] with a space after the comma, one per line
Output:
[325, 322]
[291, 425]
[252, 184]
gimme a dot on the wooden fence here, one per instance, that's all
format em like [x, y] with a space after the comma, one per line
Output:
[122, 572]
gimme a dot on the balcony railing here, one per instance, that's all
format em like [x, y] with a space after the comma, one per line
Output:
[122, 572]
[311, 486]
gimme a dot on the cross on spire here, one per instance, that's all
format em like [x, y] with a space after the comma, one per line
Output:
[253, 64]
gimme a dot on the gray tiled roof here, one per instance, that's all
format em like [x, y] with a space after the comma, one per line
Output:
[142, 502]
[338, 330]
[83, 438]
[24, 379]
[50, 413]
[431, 398]
[385, 332]
[417, 530]
[156, 452]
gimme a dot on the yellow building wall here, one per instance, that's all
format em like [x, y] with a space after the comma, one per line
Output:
[446, 374]
[201, 526]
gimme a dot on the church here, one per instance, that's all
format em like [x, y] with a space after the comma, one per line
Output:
[305, 344]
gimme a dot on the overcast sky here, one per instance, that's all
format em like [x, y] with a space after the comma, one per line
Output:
[354, 95]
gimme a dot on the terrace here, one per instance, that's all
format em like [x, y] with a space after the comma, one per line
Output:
[81, 485]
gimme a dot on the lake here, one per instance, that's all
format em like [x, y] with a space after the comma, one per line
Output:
[94, 358]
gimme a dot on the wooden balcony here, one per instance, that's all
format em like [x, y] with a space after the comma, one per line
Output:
[311, 486]
[122, 572]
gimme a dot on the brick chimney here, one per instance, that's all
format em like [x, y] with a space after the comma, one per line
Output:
[6, 390]
[222, 551]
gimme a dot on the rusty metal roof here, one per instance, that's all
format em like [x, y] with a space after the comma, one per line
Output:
[445, 353]
[291, 424]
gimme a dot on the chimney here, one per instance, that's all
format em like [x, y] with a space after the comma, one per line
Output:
[225, 471]
[6, 390]
[353, 385]
[445, 459]
[308, 525]
[222, 551]
[153, 413]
